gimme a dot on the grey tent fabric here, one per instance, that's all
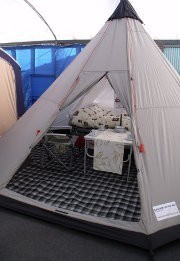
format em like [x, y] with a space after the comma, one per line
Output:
[150, 91]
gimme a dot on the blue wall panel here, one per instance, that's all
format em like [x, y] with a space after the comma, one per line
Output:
[42, 83]
[173, 55]
[41, 65]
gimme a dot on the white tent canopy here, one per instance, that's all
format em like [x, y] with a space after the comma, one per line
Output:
[63, 17]
[72, 20]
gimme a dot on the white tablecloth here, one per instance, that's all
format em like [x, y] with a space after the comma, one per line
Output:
[109, 151]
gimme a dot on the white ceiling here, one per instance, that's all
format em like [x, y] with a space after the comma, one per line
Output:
[81, 19]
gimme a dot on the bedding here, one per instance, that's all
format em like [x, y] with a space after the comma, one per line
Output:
[95, 117]
[126, 122]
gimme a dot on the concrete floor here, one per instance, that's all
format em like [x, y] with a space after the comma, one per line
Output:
[24, 238]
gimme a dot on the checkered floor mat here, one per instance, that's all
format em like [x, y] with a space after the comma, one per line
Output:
[97, 193]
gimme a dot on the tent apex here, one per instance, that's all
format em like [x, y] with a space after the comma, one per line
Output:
[124, 9]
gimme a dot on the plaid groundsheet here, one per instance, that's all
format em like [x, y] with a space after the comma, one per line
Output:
[97, 193]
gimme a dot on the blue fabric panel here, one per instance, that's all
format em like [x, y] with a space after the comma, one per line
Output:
[44, 61]
[12, 53]
[41, 65]
[173, 55]
[39, 85]
[27, 89]
[64, 57]
[24, 58]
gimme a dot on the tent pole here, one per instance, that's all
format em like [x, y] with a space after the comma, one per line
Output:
[42, 18]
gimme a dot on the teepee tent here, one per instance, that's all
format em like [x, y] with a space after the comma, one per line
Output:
[149, 89]
[11, 98]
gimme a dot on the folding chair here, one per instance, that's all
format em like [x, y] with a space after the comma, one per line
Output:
[55, 145]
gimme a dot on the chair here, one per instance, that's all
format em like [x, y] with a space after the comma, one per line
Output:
[55, 145]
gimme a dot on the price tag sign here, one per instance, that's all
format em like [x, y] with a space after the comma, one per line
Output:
[166, 211]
